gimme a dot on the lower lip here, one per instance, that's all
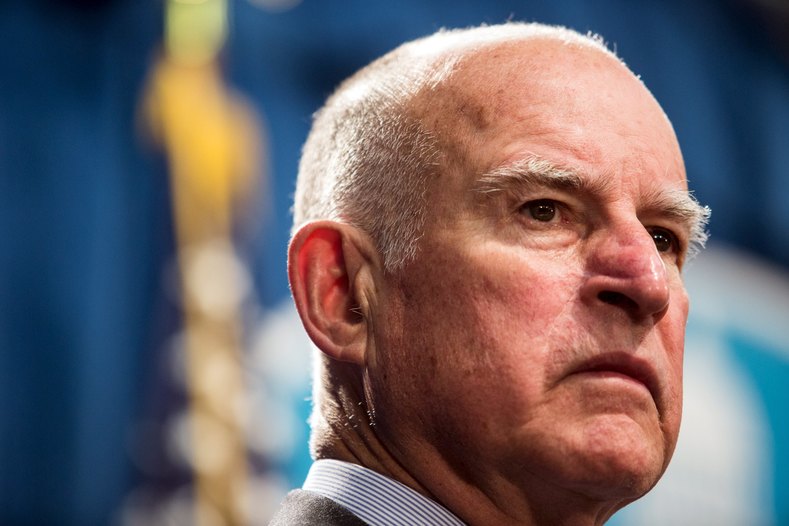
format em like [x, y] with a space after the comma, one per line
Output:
[614, 376]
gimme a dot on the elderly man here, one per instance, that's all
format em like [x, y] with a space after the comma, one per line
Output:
[490, 229]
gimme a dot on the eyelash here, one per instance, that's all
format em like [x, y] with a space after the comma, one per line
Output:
[532, 209]
[675, 244]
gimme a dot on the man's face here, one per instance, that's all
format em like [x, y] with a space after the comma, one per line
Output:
[536, 340]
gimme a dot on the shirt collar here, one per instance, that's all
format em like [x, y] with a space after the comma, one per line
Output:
[374, 498]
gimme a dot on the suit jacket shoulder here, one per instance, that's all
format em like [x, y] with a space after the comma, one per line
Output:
[306, 508]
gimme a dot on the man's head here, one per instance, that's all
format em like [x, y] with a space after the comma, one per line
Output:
[490, 226]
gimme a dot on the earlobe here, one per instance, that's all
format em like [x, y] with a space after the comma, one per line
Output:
[323, 262]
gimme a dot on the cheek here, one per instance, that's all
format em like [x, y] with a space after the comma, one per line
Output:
[672, 333]
[476, 332]
[489, 303]
[672, 329]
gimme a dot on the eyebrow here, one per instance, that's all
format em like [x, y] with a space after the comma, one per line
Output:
[515, 179]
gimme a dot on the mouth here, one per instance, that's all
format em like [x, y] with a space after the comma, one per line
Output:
[624, 366]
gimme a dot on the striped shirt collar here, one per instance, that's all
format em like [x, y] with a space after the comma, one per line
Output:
[374, 498]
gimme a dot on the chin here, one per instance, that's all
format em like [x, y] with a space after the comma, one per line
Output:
[618, 459]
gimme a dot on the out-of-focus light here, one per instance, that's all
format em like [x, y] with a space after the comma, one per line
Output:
[215, 447]
[272, 434]
[195, 29]
[178, 439]
[281, 329]
[215, 279]
[208, 515]
[217, 373]
[262, 497]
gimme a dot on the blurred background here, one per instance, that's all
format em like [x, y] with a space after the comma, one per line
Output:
[152, 369]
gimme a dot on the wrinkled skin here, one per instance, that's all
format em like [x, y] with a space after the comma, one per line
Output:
[479, 373]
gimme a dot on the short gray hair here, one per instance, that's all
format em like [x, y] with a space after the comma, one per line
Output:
[368, 159]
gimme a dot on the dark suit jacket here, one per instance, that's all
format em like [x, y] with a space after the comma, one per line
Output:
[305, 508]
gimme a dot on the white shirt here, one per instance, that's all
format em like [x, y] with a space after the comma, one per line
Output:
[374, 498]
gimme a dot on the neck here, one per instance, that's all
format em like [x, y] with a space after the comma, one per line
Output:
[344, 431]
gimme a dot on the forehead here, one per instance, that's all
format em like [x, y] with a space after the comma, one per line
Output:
[569, 103]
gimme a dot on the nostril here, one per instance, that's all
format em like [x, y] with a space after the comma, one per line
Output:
[618, 299]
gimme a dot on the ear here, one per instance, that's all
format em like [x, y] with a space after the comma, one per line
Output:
[329, 268]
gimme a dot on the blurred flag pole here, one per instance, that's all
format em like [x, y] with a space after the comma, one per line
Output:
[212, 143]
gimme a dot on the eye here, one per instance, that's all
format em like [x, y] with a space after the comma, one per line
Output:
[665, 240]
[543, 210]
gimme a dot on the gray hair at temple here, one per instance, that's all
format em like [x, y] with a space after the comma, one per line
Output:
[369, 156]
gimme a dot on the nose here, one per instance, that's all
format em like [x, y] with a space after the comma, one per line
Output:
[626, 271]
